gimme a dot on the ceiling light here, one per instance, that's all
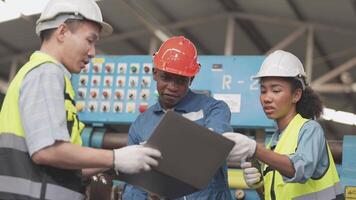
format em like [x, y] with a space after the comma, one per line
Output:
[339, 116]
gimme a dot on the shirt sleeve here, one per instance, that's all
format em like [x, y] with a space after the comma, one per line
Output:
[310, 158]
[218, 117]
[42, 110]
[133, 136]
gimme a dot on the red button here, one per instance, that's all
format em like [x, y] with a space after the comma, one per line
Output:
[105, 94]
[142, 108]
[93, 94]
[146, 69]
[108, 68]
[96, 68]
[120, 82]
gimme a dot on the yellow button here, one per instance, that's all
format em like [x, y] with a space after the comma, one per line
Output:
[79, 107]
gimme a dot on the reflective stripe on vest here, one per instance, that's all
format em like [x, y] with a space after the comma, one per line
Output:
[27, 188]
[17, 168]
[325, 187]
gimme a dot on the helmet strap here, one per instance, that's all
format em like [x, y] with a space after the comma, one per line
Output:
[302, 81]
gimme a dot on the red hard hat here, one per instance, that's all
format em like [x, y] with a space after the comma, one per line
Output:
[177, 55]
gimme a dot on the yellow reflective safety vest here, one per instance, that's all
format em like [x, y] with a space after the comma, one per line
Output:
[23, 178]
[325, 187]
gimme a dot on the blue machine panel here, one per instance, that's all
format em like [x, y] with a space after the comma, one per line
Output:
[115, 89]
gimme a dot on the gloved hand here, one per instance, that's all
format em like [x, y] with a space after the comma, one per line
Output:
[135, 158]
[244, 147]
[251, 175]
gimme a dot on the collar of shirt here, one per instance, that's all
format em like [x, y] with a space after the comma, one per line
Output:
[275, 137]
[180, 107]
[63, 68]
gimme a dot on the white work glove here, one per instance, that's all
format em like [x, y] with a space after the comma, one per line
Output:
[135, 158]
[251, 175]
[244, 147]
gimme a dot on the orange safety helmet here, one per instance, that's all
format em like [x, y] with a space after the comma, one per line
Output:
[177, 55]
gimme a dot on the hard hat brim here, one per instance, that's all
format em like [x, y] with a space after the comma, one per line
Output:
[259, 76]
[106, 29]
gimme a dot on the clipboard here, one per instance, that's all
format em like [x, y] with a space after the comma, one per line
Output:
[191, 155]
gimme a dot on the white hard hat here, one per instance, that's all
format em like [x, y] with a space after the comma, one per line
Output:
[281, 63]
[57, 11]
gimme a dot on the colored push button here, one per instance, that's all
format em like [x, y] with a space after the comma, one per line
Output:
[92, 108]
[121, 70]
[131, 95]
[130, 108]
[79, 107]
[107, 82]
[142, 108]
[133, 83]
[108, 68]
[81, 94]
[118, 95]
[93, 94]
[133, 69]
[120, 82]
[144, 96]
[105, 94]
[144, 83]
[83, 81]
[95, 82]
[105, 108]
[146, 69]
[96, 68]
[117, 108]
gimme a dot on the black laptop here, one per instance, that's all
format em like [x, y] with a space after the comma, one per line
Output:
[191, 155]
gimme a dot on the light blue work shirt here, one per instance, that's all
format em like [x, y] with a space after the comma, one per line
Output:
[205, 111]
[311, 157]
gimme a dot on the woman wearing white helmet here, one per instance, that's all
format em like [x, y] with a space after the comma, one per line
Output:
[297, 161]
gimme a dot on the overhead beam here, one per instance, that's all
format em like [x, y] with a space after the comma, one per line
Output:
[153, 47]
[3, 86]
[248, 27]
[229, 38]
[9, 46]
[117, 36]
[353, 3]
[288, 40]
[204, 50]
[130, 41]
[147, 20]
[224, 16]
[309, 55]
[336, 55]
[335, 72]
[293, 5]
[334, 88]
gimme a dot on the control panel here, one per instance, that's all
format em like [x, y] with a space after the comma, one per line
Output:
[116, 89]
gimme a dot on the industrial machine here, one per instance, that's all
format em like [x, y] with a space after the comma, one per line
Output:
[113, 90]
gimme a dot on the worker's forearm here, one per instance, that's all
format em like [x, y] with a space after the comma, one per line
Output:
[69, 156]
[276, 161]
